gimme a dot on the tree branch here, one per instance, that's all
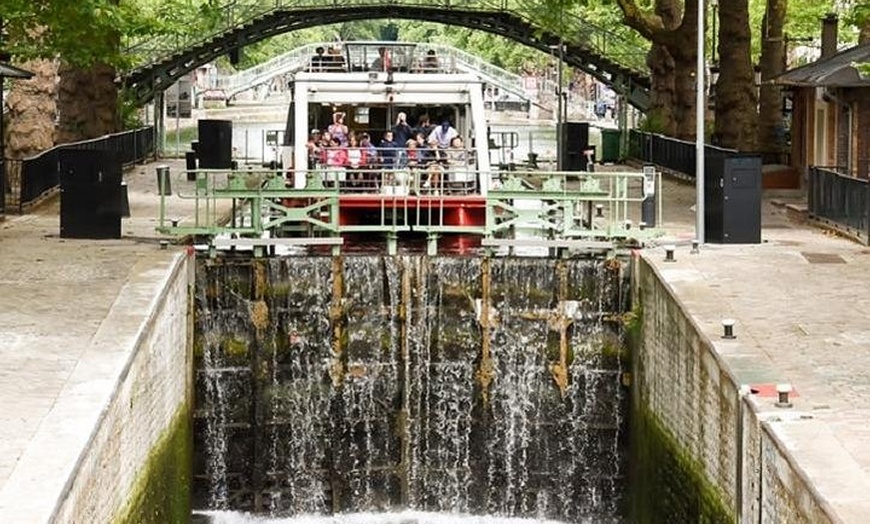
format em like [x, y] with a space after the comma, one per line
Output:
[649, 25]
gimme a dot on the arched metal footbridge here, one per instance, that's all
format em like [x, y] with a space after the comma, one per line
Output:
[605, 55]
[453, 59]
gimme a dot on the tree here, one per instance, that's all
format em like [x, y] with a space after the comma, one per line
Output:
[672, 59]
[772, 64]
[736, 115]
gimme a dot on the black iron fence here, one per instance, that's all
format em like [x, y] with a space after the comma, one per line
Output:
[677, 156]
[30, 179]
[839, 201]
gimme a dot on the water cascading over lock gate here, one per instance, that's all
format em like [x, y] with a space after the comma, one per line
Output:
[471, 385]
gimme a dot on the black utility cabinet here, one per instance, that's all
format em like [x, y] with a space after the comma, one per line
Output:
[575, 141]
[215, 147]
[732, 198]
[92, 198]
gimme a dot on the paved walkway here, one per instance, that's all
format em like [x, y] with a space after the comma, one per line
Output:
[63, 300]
[796, 297]
[802, 317]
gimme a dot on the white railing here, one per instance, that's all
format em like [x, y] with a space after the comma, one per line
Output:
[456, 59]
[293, 60]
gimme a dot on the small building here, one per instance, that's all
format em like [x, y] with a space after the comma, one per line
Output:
[830, 113]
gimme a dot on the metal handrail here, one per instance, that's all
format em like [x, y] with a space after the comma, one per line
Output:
[264, 202]
[839, 201]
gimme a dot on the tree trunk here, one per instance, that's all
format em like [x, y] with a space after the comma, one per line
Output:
[672, 31]
[772, 65]
[864, 34]
[735, 90]
[660, 114]
[32, 111]
[87, 102]
[88, 97]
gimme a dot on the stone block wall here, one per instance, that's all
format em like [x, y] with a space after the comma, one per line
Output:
[715, 445]
[144, 429]
[683, 391]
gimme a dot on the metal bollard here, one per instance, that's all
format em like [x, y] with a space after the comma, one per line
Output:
[782, 391]
[669, 253]
[164, 185]
[728, 329]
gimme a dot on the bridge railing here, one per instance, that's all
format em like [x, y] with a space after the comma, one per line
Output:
[840, 201]
[34, 178]
[452, 58]
[293, 60]
[674, 155]
[617, 47]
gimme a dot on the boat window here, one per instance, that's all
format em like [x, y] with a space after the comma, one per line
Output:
[361, 115]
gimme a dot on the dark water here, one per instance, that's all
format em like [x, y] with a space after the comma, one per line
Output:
[447, 385]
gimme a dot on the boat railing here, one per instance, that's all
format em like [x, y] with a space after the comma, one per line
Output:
[265, 203]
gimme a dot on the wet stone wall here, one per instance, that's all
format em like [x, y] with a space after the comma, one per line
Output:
[474, 385]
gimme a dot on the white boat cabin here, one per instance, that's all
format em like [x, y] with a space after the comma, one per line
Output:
[356, 92]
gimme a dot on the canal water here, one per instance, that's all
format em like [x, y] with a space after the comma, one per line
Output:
[404, 517]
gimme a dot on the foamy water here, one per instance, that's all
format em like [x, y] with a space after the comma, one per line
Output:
[404, 517]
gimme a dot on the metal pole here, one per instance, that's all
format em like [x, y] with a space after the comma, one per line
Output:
[699, 139]
[178, 118]
[560, 146]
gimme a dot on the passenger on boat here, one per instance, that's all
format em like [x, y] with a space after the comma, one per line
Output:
[434, 163]
[314, 147]
[357, 160]
[372, 159]
[402, 132]
[387, 149]
[431, 63]
[318, 61]
[335, 61]
[411, 155]
[382, 62]
[337, 129]
[443, 134]
[424, 154]
[424, 125]
[456, 159]
[334, 159]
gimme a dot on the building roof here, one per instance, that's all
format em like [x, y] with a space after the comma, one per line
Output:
[9, 71]
[834, 71]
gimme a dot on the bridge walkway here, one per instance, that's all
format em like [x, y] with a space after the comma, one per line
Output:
[606, 55]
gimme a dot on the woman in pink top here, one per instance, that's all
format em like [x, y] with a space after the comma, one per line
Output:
[334, 158]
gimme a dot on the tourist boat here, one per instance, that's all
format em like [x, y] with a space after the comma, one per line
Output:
[324, 192]
[370, 84]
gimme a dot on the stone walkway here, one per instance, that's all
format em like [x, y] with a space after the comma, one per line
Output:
[63, 300]
[802, 318]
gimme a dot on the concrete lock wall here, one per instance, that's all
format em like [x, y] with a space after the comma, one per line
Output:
[143, 434]
[712, 432]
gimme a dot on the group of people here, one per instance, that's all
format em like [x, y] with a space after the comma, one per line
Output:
[323, 60]
[332, 60]
[353, 158]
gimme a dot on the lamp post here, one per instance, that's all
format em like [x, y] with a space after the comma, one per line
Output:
[559, 108]
[714, 36]
[700, 90]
